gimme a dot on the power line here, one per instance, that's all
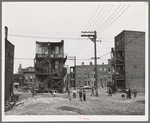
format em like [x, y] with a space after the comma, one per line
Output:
[110, 17]
[97, 16]
[104, 16]
[67, 59]
[115, 19]
[27, 36]
[92, 17]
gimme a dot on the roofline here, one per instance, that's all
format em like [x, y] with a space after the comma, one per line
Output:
[38, 42]
[129, 31]
[90, 65]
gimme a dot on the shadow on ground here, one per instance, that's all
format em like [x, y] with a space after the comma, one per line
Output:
[141, 101]
[67, 108]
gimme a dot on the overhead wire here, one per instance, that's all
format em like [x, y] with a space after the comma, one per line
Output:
[97, 16]
[115, 19]
[103, 17]
[43, 37]
[86, 26]
[114, 12]
[92, 17]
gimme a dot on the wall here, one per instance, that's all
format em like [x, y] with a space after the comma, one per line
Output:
[9, 62]
[87, 75]
[135, 55]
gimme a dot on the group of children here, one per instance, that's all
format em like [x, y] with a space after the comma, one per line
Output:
[82, 94]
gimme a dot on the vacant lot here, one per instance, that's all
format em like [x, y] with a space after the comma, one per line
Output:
[45, 104]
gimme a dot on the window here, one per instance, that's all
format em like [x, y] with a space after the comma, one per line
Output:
[88, 75]
[79, 83]
[108, 69]
[85, 75]
[85, 83]
[117, 43]
[56, 50]
[79, 75]
[56, 64]
[122, 40]
[88, 82]
[30, 78]
[104, 69]
[43, 50]
[71, 69]
[100, 69]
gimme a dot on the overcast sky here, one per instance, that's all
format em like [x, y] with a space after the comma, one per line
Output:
[55, 21]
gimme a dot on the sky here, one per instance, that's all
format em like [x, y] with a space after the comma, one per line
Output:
[29, 22]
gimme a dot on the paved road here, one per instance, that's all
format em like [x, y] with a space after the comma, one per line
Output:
[45, 104]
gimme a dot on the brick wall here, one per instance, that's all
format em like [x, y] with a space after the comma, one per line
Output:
[9, 61]
[135, 55]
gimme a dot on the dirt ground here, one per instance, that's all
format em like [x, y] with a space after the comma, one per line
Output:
[46, 104]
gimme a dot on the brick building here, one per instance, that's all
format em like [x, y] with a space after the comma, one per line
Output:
[85, 75]
[18, 80]
[28, 75]
[9, 64]
[128, 60]
[49, 65]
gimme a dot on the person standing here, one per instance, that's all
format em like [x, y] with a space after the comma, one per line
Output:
[74, 94]
[80, 94]
[92, 94]
[69, 94]
[129, 93]
[84, 95]
[135, 93]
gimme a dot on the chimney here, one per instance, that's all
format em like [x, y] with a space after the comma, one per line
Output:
[82, 63]
[6, 32]
[91, 63]
[103, 63]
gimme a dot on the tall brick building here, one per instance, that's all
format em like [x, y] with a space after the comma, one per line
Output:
[128, 60]
[85, 75]
[9, 65]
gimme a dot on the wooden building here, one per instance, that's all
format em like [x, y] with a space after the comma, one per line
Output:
[49, 65]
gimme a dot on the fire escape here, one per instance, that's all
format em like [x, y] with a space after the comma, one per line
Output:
[49, 66]
[118, 65]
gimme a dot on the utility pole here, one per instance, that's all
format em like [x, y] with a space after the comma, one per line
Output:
[92, 36]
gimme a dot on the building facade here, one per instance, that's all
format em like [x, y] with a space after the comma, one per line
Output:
[128, 60]
[49, 65]
[18, 80]
[28, 76]
[84, 75]
[9, 61]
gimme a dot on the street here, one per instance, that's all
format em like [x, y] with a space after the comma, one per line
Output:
[45, 104]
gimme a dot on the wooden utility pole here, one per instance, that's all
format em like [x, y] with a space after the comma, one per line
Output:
[92, 36]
